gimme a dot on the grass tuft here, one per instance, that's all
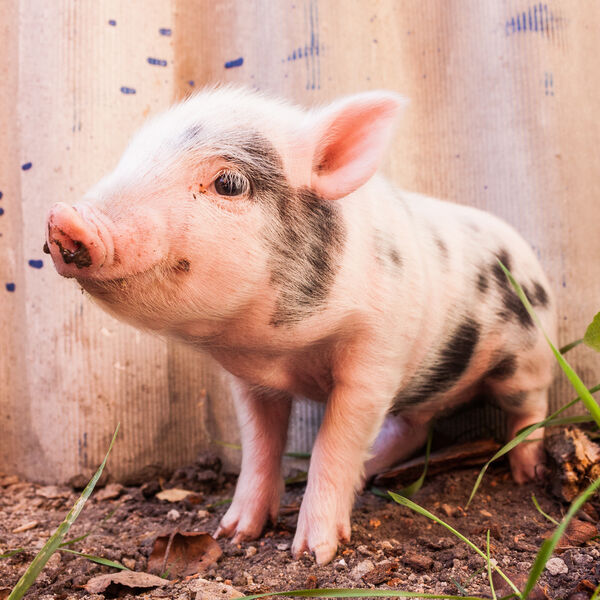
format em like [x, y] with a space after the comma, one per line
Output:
[55, 541]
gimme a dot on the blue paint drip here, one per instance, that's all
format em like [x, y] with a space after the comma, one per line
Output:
[191, 82]
[164, 31]
[112, 22]
[238, 62]
[1, 211]
[36, 264]
[1, 194]
[157, 61]
[10, 287]
[127, 90]
[26, 166]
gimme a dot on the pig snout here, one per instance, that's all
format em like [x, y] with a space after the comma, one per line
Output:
[76, 241]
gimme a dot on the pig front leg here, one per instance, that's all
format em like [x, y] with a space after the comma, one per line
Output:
[263, 418]
[352, 418]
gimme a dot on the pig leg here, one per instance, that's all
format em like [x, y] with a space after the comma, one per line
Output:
[263, 418]
[352, 418]
[527, 460]
[521, 389]
[397, 439]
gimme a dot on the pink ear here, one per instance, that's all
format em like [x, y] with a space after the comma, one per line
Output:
[352, 135]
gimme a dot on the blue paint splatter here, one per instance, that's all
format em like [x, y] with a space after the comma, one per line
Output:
[26, 166]
[238, 62]
[157, 61]
[112, 22]
[36, 264]
[549, 84]
[10, 287]
[127, 90]
[164, 31]
[1, 211]
[1, 194]
[537, 18]
[191, 82]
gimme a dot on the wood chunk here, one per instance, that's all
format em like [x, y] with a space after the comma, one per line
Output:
[574, 460]
[454, 457]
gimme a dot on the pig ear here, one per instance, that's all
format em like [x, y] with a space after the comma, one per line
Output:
[351, 137]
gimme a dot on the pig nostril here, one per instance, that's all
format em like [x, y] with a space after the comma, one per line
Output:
[79, 256]
[45, 249]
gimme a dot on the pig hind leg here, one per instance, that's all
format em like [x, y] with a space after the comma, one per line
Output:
[520, 385]
[397, 439]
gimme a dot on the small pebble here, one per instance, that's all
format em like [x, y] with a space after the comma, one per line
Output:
[251, 551]
[173, 515]
[362, 568]
[202, 514]
[557, 566]
[341, 565]
[282, 547]
[129, 563]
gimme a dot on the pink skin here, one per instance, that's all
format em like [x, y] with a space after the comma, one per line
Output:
[157, 244]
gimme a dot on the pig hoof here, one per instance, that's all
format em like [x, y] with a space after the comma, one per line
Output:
[527, 462]
[320, 537]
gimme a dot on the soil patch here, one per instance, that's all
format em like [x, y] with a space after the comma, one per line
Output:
[391, 546]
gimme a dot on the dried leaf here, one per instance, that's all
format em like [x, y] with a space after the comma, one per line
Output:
[176, 494]
[127, 579]
[183, 553]
[578, 533]
[110, 492]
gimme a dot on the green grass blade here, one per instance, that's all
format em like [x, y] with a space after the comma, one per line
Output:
[422, 511]
[415, 486]
[96, 559]
[489, 564]
[359, 593]
[544, 514]
[521, 436]
[548, 545]
[570, 420]
[579, 386]
[12, 553]
[592, 334]
[596, 594]
[75, 540]
[303, 455]
[56, 539]
[570, 346]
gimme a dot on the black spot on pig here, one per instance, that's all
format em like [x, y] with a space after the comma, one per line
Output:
[443, 249]
[304, 233]
[306, 251]
[261, 163]
[540, 296]
[385, 250]
[512, 401]
[497, 271]
[514, 307]
[450, 364]
[395, 257]
[504, 369]
[183, 265]
[192, 135]
[482, 282]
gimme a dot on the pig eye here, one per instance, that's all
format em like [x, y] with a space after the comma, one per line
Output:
[231, 183]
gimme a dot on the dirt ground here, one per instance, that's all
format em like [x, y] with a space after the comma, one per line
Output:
[391, 546]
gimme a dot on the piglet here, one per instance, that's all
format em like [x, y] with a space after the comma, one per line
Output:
[260, 233]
